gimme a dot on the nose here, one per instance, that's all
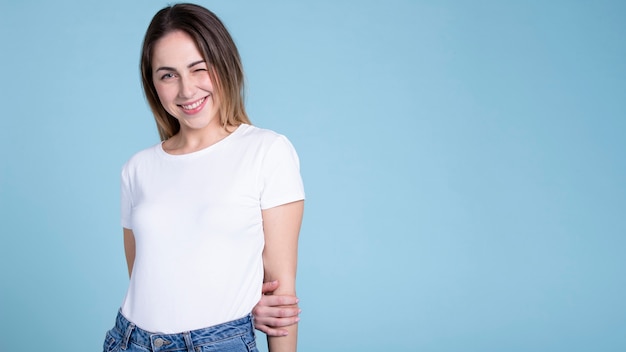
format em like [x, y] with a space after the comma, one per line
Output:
[187, 88]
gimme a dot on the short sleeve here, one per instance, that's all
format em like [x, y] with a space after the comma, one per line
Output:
[280, 173]
[126, 199]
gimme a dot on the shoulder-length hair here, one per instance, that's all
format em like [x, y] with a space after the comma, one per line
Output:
[218, 49]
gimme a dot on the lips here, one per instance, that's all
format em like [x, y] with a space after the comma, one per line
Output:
[195, 106]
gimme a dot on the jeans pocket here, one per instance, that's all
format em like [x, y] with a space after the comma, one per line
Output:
[112, 341]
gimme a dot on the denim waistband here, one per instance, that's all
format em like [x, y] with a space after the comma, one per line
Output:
[185, 341]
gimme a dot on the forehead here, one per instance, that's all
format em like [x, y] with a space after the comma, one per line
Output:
[175, 49]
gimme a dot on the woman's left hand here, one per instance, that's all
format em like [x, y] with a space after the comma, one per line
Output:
[273, 312]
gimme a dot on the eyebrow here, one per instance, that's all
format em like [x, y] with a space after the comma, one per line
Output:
[165, 68]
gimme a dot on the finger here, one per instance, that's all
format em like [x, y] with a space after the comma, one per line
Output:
[271, 332]
[273, 301]
[269, 287]
[275, 312]
[272, 322]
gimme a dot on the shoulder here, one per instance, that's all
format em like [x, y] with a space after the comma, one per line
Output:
[253, 133]
[141, 157]
[262, 137]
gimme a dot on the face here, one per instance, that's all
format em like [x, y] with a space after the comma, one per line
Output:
[182, 81]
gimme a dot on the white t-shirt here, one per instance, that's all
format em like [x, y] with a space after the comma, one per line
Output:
[198, 227]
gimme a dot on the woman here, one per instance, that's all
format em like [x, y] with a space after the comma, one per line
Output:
[210, 212]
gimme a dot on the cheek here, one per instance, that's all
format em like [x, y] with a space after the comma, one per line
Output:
[206, 83]
[165, 93]
[166, 96]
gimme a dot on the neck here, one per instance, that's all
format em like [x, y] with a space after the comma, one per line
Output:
[189, 140]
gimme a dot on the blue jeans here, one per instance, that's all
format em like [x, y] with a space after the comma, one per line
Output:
[233, 336]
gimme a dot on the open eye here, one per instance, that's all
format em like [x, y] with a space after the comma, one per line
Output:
[167, 76]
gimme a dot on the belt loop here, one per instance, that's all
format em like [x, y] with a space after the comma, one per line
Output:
[129, 331]
[188, 341]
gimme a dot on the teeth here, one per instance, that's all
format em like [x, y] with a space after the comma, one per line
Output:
[194, 105]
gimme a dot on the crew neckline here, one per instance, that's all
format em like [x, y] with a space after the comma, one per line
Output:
[202, 151]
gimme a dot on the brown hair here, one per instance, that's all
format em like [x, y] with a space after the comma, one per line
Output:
[218, 49]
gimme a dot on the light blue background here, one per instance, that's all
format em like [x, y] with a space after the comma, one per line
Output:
[464, 166]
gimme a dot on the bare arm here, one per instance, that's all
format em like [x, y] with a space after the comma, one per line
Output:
[129, 249]
[274, 312]
[281, 226]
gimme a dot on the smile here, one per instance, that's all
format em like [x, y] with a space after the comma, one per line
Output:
[194, 105]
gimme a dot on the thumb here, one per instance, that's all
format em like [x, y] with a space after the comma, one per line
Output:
[269, 287]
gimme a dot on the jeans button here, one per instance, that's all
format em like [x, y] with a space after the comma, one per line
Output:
[158, 342]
